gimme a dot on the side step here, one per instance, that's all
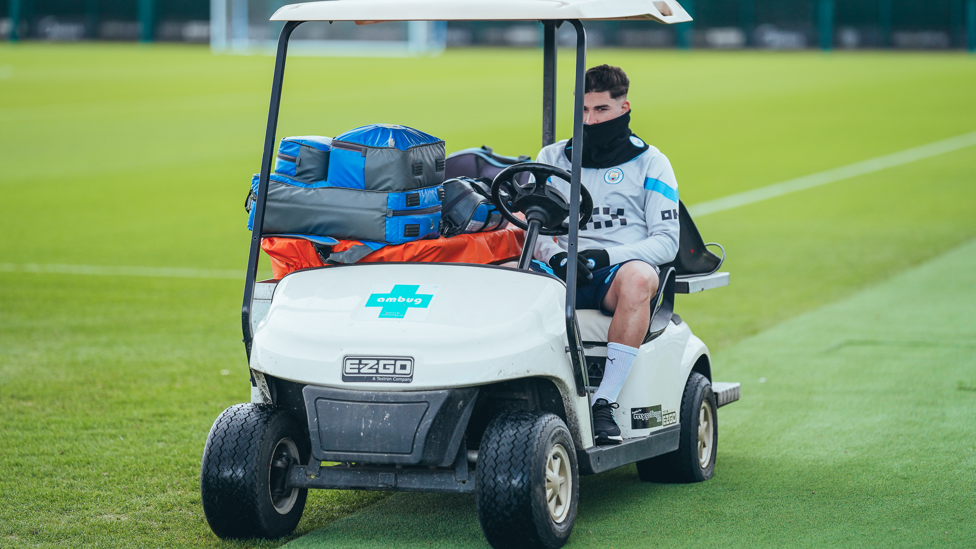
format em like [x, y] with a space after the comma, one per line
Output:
[725, 392]
[597, 459]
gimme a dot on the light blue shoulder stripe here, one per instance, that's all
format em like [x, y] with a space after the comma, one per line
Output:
[662, 188]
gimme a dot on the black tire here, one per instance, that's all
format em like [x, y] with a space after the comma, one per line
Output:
[513, 458]
[238, 476]
[684, 464]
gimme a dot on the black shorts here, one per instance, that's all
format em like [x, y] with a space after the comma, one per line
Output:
[590, 296]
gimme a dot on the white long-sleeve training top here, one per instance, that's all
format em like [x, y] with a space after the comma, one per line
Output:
[635, 208]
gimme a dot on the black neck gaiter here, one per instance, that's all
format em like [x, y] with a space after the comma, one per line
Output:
[608, 144]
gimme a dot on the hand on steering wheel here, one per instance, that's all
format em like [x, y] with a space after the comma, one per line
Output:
[537, 199]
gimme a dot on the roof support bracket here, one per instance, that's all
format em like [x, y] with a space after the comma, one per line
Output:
[266, 160]
[572, 330]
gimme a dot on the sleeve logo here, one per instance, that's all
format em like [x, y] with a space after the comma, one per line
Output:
[669, 214]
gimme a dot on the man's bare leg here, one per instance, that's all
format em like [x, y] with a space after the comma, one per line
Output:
[629, 297]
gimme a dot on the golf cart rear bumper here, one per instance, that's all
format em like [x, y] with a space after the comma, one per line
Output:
[388, 427]
[386, 479]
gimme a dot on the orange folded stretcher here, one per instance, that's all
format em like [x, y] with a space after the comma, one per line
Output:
[293, 254]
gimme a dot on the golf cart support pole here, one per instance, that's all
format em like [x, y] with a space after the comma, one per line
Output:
[572, 332]
[266, 159]
[548, 121]
[549, 82]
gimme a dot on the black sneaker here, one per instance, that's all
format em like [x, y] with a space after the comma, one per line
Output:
[604, 426]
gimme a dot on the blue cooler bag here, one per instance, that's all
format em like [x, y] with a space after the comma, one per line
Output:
[304, 159]
[378, 183]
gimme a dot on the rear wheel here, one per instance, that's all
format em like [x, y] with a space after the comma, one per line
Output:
[528, 481]
[694, 460]
[243, 477]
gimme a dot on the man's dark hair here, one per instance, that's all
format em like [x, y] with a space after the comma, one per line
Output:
[604, 78]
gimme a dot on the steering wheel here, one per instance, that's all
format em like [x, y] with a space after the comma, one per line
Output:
[537, 200]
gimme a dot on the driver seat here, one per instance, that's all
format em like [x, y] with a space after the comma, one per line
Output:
[594, 325]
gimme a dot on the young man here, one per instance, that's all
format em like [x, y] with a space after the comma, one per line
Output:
[634, 228]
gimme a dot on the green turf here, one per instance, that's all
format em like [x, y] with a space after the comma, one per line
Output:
[141, 156]
[855, 430]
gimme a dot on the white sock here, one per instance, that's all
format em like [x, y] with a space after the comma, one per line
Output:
[620, 358]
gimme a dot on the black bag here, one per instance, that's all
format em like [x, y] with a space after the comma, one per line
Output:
[483, 162]
[693, 257]
[468, 208]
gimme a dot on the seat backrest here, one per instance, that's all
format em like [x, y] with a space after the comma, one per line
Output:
[692, 257]
[482, 163]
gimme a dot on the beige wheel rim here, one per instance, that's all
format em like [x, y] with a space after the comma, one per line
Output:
[559, 483]
[706, 434]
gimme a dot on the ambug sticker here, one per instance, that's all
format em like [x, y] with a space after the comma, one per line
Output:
[410, 302]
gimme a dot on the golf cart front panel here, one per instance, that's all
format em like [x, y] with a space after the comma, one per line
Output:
[369, 327]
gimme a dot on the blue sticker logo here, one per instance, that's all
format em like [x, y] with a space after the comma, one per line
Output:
[396, 303]
[636, 141]
[613, 176]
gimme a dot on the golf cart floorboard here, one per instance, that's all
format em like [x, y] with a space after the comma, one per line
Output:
[598, 459]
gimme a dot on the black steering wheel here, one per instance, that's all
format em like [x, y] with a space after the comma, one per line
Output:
[537, 200]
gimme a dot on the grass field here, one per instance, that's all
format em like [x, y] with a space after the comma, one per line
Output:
[140, 157]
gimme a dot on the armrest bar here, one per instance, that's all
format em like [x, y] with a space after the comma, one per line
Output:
[692, 284]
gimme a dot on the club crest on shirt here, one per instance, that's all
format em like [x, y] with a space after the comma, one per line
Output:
[613, 176]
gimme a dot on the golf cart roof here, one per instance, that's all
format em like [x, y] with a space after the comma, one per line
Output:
[377, 11]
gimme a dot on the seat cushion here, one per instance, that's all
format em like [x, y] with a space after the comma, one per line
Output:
[593, 325]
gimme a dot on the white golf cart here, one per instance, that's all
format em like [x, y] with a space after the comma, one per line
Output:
[460, 378]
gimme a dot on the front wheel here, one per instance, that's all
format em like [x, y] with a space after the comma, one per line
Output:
[243, 477]
[694, 460]
[528, 481]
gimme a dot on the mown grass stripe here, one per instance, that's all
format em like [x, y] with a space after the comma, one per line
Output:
[831, 176]
[98, 270]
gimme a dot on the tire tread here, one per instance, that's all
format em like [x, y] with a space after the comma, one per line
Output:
[505, 471]
[232, 500]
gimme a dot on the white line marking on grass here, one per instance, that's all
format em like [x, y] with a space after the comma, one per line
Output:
[831, 176]
[163, 272]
